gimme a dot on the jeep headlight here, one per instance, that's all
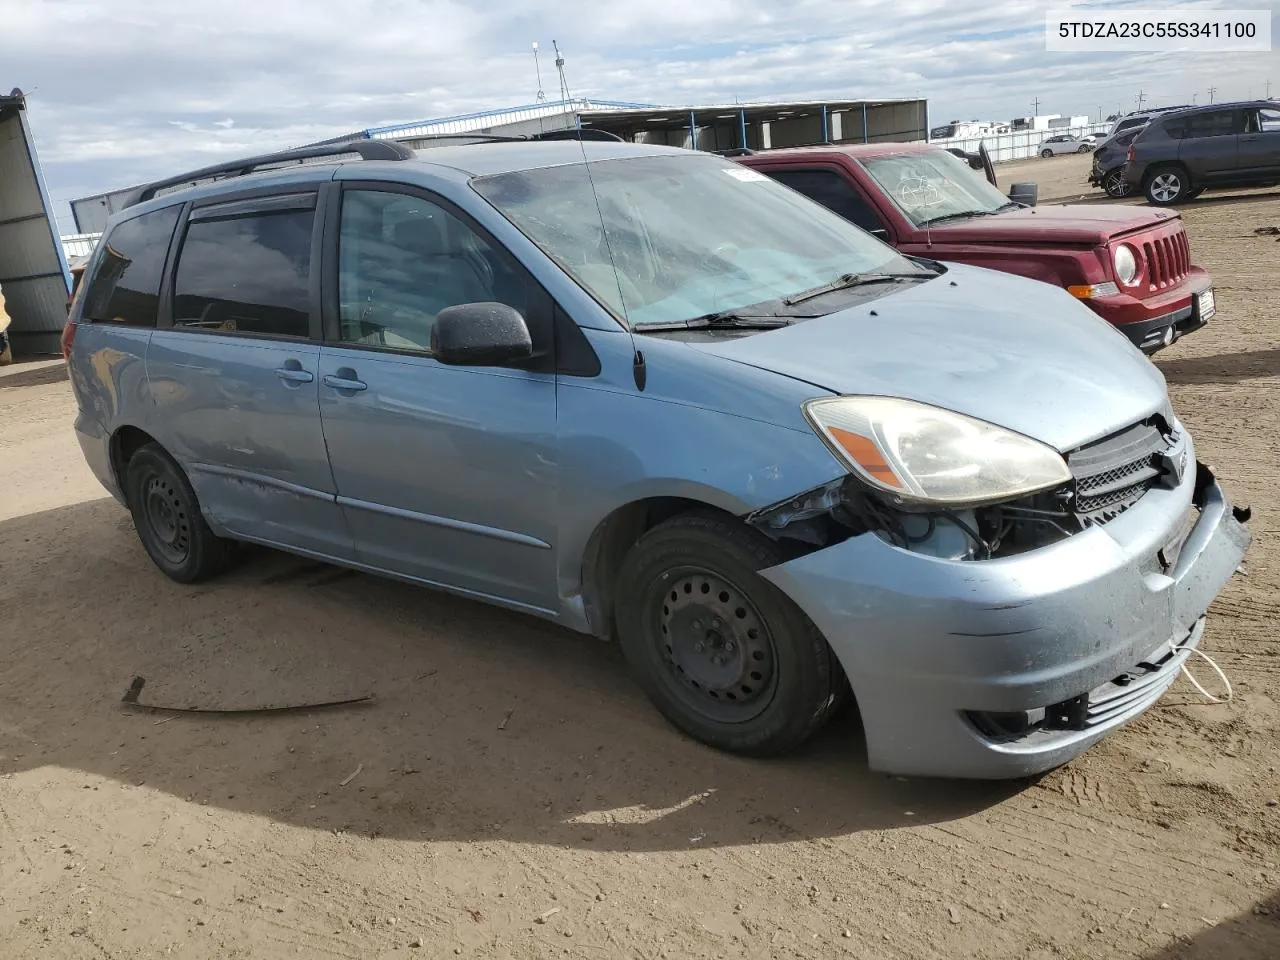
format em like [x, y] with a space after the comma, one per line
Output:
[929, 455]
[1126, 264]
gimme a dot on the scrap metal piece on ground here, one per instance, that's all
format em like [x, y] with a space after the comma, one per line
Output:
[135, 689]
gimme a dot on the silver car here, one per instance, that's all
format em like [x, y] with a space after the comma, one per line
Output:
[657, 397]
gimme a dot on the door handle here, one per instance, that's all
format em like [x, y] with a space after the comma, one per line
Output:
[344, 383]
[294, 375]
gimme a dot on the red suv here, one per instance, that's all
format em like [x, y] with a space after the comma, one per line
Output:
[1131, 265]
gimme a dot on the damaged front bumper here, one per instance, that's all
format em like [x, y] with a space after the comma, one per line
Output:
[1012, 666]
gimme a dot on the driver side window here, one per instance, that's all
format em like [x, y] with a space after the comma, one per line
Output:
[403, 259]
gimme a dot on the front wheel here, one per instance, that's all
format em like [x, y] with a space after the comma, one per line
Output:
[166, 515]
[1115, 184]
[1084, 148]
[1046, 153]
[721, 652]
[1167, 186]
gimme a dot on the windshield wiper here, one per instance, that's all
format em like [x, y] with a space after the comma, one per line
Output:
[962, 215]
[846, 280]
[723, 319]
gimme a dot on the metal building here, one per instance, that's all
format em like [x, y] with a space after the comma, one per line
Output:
[33, 267]
[758, 126]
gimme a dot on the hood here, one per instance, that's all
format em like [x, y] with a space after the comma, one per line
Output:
[1015, 352]
[1080, 223]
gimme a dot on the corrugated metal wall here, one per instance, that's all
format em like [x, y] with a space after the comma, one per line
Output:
[33, 268]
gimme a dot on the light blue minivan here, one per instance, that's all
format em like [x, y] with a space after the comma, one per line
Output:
[657, 397]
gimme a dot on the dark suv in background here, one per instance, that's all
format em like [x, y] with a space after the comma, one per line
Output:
[1108, 164]
[1179, 155]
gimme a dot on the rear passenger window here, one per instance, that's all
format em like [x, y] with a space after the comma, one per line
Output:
[247, 274]
[126, 284]
[1219, 123]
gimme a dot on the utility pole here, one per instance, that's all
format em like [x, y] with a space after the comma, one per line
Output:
[1193, 98]
[1267, 95]
[1035, 107]
[1212, 91]
[1142, 98]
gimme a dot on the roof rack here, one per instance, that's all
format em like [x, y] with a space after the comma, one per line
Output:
[570, 134]
[734, 152]
[367, 149]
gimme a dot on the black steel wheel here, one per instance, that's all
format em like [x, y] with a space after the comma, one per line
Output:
[721, 652]
[167, 518]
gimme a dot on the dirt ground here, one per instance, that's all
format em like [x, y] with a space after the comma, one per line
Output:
[511, 794]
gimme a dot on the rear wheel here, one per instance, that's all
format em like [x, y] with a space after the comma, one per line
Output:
[1167, 185]
[721, 652]
[166, 515]
[1115, 184]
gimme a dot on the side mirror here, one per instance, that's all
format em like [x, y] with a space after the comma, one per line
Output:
[1024, 193]
[480, 334]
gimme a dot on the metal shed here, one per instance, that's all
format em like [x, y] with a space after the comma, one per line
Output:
[765, 125]
[33, 267]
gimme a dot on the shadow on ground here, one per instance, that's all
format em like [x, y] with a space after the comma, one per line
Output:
[22, 375]
[487, 725]
[1253, 935]
[1222, 367]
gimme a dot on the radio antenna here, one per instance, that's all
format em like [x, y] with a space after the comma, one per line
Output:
[564, 84]
[542, 94]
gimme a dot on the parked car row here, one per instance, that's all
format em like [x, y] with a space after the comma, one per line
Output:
[1175, 155]
[790, 454]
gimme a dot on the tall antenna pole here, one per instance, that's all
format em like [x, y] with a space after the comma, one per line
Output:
[564, 84]
[542, 94]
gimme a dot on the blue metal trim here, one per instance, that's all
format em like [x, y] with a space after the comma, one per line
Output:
[693, 131]
[494, 113]
[865, 137]
[233, 473]
[509, 536]
[742, 125]
[825, 136]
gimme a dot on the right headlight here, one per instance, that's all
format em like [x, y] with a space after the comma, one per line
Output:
[1126, 264]
[921, 453]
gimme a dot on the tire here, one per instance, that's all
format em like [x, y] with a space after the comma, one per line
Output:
[1084, 148]
[721, 652]
[1115, 185]
[1166, 186]
[167, 518]
[1046, 154]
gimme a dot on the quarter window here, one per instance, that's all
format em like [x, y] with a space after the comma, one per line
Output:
[126, 283]
[403, 259]
[246, 274]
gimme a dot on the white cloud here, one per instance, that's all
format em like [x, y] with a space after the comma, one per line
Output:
[141, 88]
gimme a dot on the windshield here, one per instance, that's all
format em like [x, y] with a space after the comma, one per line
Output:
[934, 185]
[690, 235]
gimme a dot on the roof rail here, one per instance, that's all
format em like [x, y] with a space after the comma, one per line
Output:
[367, 149]
[570, 134]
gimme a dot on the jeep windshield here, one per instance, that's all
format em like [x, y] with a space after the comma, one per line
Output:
[673, 239]
[934, 187]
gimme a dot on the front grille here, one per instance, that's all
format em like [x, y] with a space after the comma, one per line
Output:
[1113, 474]
[1168, 260]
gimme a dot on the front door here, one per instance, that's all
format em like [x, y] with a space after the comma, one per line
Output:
[1209, 145]
[234, 375]
[446, 474]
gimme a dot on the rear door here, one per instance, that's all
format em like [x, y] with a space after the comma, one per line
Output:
[1259, 145]
[234, 372]
[1208, 145]
[446, 474]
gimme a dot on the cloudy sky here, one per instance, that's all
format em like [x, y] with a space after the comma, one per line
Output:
[120, 91]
